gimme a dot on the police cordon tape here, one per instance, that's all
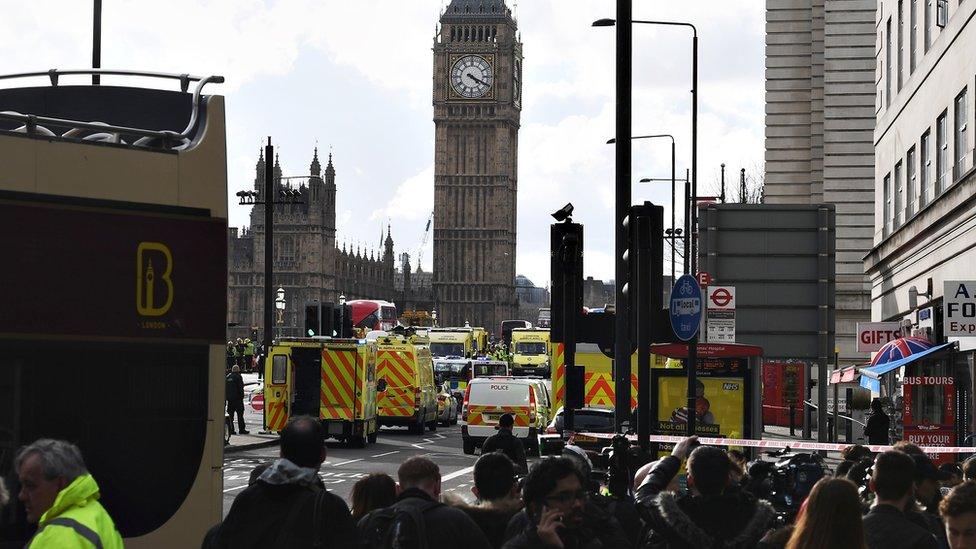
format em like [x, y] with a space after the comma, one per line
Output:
[791, 444]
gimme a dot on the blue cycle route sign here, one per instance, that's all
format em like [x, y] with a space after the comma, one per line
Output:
[686, 307]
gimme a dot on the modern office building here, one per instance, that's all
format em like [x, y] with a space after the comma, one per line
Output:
[820, 116]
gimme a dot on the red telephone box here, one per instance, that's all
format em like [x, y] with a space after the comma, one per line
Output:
[783, 384]
[930, 406]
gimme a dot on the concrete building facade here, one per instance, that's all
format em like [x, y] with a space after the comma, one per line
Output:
[820, 116]
[477, 110]
[925, 187]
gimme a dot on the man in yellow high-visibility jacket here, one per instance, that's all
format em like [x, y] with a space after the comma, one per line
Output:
[62, 498]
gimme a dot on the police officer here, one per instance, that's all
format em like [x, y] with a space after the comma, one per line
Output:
[234, 393]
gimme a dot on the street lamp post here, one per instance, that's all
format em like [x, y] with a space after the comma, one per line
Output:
[280, 306]
[250, 198]
[624, 65]
[342, 315]
[647, 180]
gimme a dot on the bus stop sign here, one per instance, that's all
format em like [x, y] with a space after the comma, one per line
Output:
[686, 307]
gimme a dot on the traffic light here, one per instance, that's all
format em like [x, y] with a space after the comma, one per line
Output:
[564, 273]
[312, 319]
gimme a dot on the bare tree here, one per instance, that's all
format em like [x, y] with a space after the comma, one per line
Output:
[755, 181]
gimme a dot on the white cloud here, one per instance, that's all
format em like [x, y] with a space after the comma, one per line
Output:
[266, 49]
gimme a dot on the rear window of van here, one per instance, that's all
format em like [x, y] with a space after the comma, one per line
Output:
[500, 393]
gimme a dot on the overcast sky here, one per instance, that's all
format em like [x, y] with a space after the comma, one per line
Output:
[355, 77]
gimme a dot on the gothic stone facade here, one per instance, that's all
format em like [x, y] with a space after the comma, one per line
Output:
[477, 108]
[308, 265]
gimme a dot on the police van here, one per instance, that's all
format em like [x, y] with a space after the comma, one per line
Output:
[486, 399]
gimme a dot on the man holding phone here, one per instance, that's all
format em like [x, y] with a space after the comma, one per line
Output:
[555, 498]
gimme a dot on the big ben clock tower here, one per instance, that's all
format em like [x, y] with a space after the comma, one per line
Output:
[477, 106]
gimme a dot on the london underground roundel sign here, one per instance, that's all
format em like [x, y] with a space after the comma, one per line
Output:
[686, 307]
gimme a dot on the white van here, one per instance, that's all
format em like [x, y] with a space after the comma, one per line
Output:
[487, 398]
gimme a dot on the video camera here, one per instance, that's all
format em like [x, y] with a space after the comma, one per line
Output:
[787, 482]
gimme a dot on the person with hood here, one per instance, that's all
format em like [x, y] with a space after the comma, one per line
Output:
[710, 514]
[288, 506]
[496, 490]
[506, 442]
[61, 497]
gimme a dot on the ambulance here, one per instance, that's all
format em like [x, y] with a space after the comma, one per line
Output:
[530, 352]
[599, 387]
[487, 398]
[407, 391]
[331, 379]
[451, 342]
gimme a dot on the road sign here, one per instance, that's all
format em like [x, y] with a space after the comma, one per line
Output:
[871, 336]
[257, 402]
[720, 314]
[959, 308]
[685, 307]
[704, 279]
[721, 297]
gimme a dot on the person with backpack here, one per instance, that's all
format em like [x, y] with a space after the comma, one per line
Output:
[288, 506]
[418, 520]
[234, 393]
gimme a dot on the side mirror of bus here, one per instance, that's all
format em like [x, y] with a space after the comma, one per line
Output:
[381, 385]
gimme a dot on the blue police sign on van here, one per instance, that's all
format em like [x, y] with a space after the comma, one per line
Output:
[686, 307]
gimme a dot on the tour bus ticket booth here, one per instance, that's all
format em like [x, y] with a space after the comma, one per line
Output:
[729, 381]
[934, 408]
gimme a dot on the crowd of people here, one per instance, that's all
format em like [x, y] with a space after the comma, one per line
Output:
[892, 500]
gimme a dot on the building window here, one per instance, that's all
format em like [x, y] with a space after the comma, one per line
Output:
[928, 24]
[901, 42]
[941, 154]
[888, 64]
[286, 249]
[925, 166]
[899, 212]
[887, 209]
[913, 37]
[911, 185]
[961, 143]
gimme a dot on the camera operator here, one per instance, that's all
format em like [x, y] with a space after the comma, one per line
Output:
[710, 512]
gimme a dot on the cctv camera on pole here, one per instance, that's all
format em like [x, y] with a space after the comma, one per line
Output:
[566, 249]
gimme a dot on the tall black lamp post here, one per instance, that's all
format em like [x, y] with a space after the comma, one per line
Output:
[624, 70]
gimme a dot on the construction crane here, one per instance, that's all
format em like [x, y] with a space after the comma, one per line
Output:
[420, 253]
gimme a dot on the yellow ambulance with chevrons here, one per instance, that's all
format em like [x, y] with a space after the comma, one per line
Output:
[407, 391]
[332, 379]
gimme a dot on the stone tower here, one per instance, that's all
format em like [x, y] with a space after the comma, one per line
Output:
[477, 107]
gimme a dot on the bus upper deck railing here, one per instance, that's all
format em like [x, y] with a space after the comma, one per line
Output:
[38, 125]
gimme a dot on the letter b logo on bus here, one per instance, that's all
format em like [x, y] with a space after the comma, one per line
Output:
[154, 285]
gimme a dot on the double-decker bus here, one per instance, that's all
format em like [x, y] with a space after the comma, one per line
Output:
[113, 222]
[373, 314]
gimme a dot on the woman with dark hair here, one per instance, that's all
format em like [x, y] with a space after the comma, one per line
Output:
[830, 518]
[372, 492]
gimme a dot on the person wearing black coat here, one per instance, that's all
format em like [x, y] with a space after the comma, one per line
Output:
[878, 425]
[712, 514]
[506, 442]
[288, 506]
[234, 389]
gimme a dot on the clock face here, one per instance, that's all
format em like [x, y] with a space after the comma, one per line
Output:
[471, 76]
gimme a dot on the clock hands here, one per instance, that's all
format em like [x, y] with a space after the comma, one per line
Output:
[476, 79]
